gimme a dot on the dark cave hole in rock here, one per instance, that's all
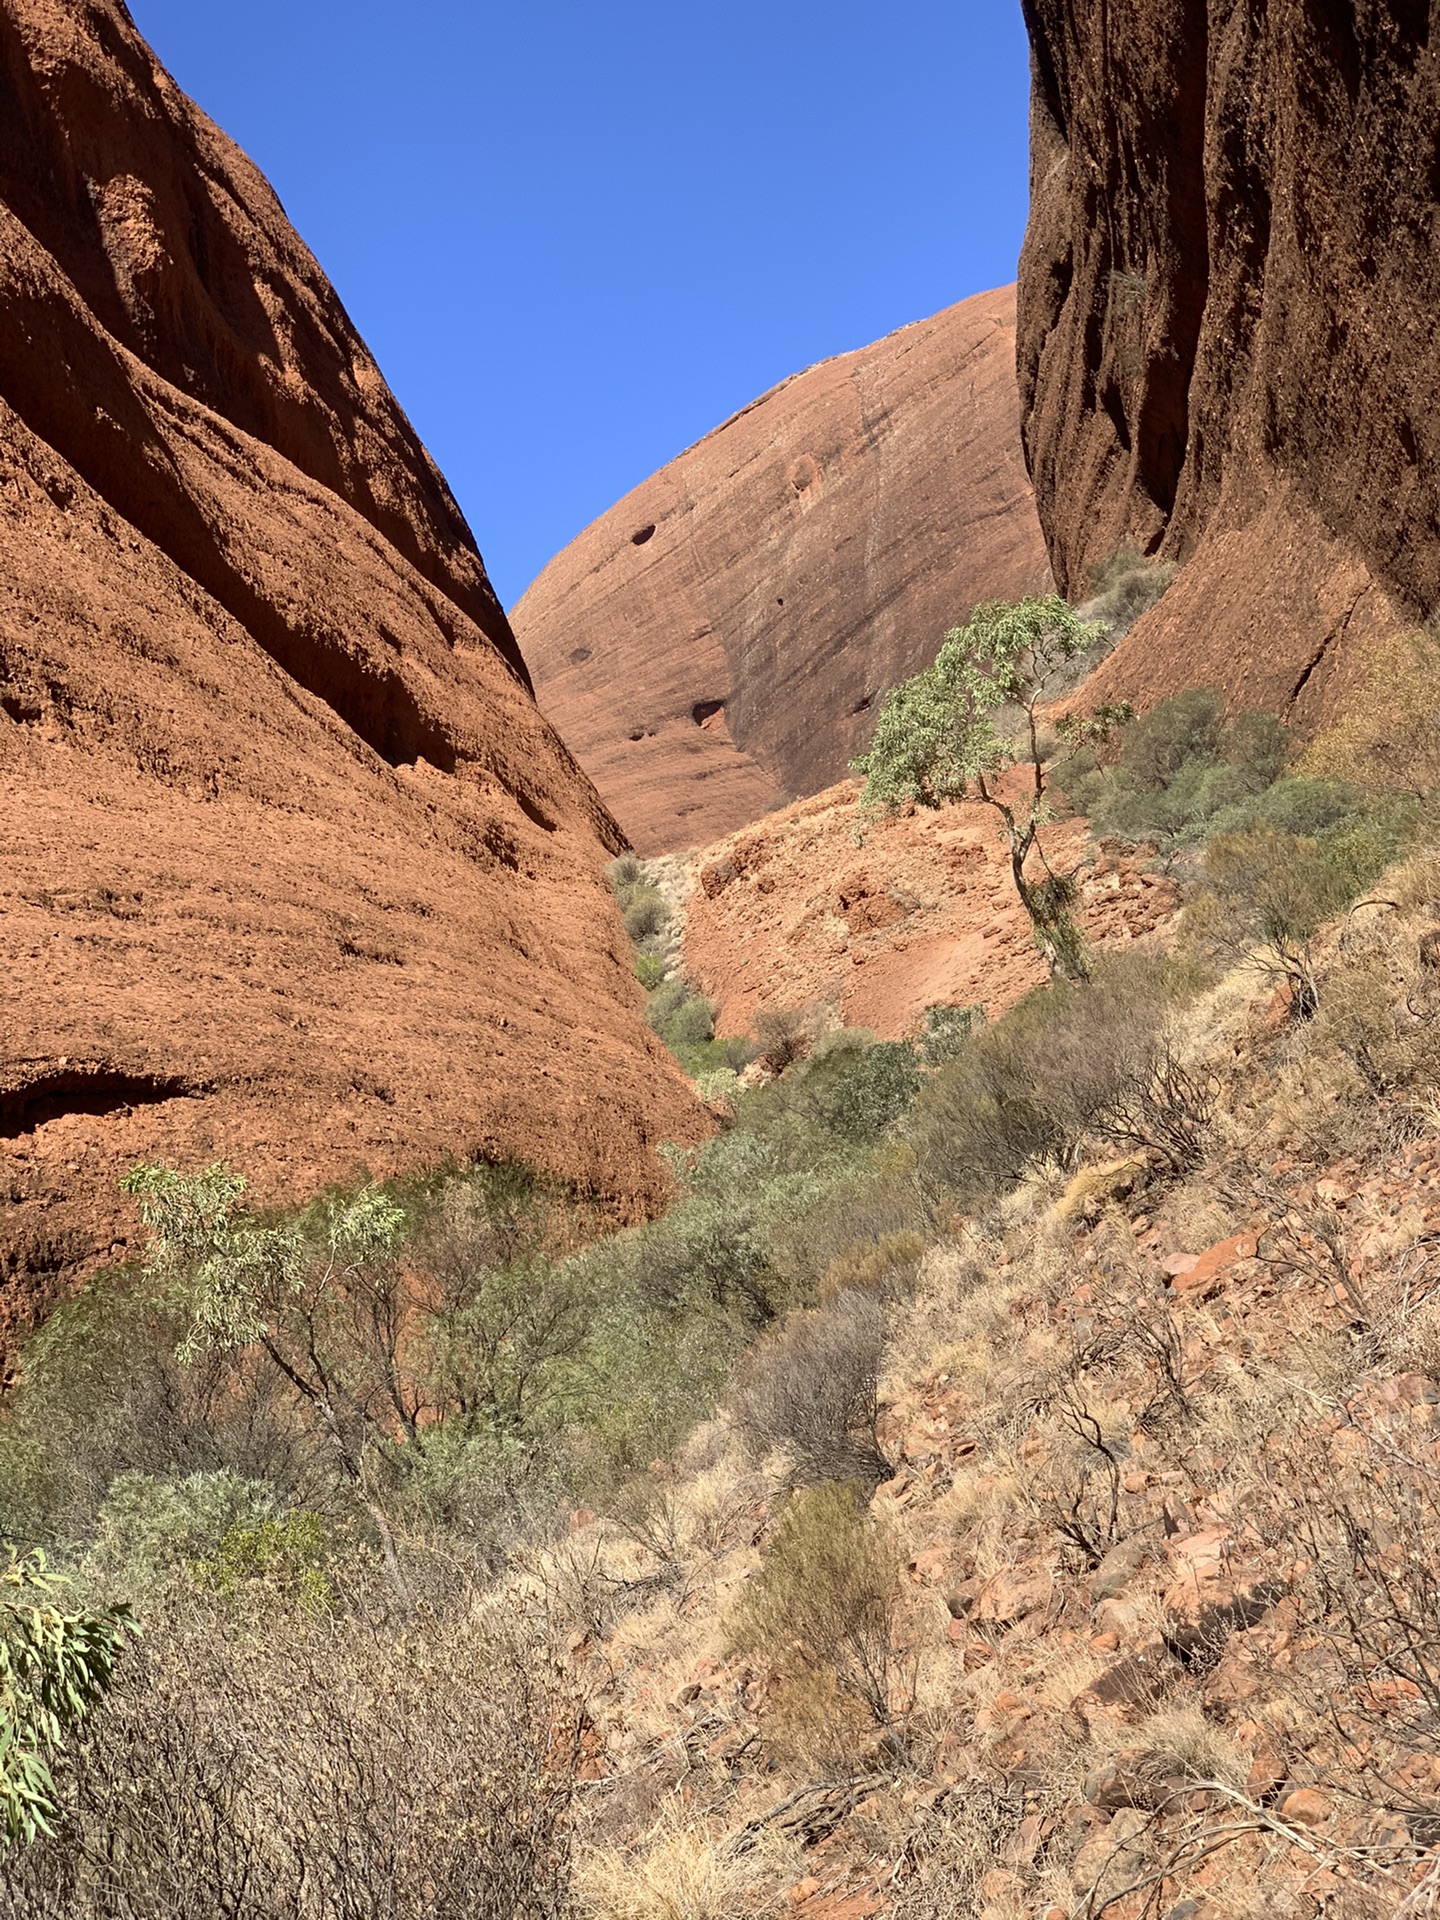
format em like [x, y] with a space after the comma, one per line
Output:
[707, 712]
[534, 811]
[644, 534]
[89, 1090]
[862, 705]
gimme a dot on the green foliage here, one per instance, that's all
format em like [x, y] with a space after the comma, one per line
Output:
[685, 1021]
[241, 1278]
[1182, 773]
[151, 1524]
[649, 971]
[55, 1668]
[691, 1025]
[1071, 1061]
[643, 907]
[507, 1355]
[947, 1030]
[858, 1089]
[1268, 891]
[285, 1552]
[1128, 585]
[826, 1596]
[937, 740]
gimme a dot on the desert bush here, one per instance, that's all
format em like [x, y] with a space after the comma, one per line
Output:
[784, 1035]
[650, 971]
[691, 1025]
[681, 1872]
[1071, 1062]
[824, 1604]
[685, 1021]
[810, 1389]
[952, 1852]
[647, 914]
[946, 1030]
[1127, 585]
[886, 1267]
[1386, 740]
[150, 1525]
[335, 1769]
[319, 1296]
[104, 1393]
[1178, 769]
[860, 1205]
[857, 1088]
[643, 907]
[1267, 893]
[665, 1002]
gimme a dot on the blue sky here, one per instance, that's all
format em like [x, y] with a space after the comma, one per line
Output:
[579, 235]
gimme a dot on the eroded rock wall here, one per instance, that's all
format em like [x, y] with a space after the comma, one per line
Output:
[292, 870]
[719, 640]
[1226, 326]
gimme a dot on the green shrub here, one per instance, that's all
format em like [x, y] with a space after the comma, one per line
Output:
[55, 1670]
[1129, 584]
[647, 914]
[151, 1525]
[1178, 769]
[649, 971]
[826, 1597]
[946, 1030]
[1268, 892]
[287, 1552]
[1070, 1062]
[691, 1025]
[858, 1088]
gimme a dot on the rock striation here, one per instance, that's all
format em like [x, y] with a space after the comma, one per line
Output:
[292, 870]
[1226, 338]
[717, 642]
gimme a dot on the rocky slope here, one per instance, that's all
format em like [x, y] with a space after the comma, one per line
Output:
[791, 913]
[716, 643]
[1227, 352]
[1162, 1519]
[294, 872]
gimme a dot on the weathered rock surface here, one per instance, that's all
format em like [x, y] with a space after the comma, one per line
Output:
[717, 642]
[789, 912]
[292, 870]
[1226, 326]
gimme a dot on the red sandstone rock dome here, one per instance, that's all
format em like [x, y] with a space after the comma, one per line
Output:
[718, 641]
[294, 872]
[1228, 351]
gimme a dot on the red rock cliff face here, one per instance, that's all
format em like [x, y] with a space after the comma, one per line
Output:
[718, 641]
[292, 871]
[1228, 350]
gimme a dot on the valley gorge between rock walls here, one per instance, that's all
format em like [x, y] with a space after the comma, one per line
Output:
[740, 1384]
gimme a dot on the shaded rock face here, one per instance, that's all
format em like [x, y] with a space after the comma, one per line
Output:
[292, 870]
[718, 642]
[1226, 326]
